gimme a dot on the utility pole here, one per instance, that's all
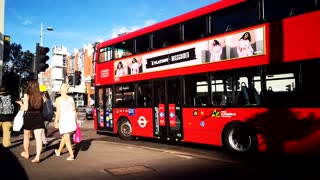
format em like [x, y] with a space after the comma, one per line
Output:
[34, 64]
[41, 33]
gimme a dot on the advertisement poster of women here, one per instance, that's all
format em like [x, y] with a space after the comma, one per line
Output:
[217, 49]
[120, 69]
[246, 43]
[134, 65]
[244, 47]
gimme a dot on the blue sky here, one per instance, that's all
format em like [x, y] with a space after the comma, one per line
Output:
[78, 23]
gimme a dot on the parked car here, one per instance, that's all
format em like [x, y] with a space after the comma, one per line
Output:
[89, 112]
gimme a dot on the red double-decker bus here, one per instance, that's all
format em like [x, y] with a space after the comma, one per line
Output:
[240, 74]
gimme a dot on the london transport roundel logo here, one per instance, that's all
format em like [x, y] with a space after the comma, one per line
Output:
[142, 121]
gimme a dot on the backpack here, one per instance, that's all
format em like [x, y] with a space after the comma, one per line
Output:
[6, 105]
[47, 110]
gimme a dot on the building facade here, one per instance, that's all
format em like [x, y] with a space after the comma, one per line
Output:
[63, 65]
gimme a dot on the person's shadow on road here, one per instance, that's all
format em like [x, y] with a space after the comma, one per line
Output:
[10, 163]
[84, 145]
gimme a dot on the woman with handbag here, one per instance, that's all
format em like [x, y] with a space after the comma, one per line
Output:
[65, 120]
[33, 120]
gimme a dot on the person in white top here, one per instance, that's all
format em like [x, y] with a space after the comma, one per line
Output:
[66, 117]
[120, 71]
[244, 47]
[216, 51]
[134, 66]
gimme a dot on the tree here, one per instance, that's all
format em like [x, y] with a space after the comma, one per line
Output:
[17, 68]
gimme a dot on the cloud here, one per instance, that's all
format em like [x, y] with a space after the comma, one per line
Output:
[27, 22]
[24, 20]
[122, 29]
[150, 22]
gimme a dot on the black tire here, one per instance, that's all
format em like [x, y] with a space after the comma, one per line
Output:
[125, 129]
[239, 138]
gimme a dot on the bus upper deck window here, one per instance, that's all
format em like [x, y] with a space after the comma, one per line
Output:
[126, 53]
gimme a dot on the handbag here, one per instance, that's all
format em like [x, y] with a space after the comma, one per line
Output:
[77, 136]
[47, 110]
[18, 121]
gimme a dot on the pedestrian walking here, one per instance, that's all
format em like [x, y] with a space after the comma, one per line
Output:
[33, 120]
[65, 120]
[6, 116]
[46, 99]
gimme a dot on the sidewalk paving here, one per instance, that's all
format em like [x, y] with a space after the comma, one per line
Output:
[94, 160]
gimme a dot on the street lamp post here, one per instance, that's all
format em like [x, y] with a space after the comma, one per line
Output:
[41, 42]
[41, 32]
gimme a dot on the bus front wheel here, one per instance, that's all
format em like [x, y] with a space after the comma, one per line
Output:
[125, 130]
[238, 138]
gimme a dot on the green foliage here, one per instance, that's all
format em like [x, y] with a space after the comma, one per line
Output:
[17, 61]
[17, 68]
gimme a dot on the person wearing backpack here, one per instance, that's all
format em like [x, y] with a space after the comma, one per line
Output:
[6, 116]
[47, 101]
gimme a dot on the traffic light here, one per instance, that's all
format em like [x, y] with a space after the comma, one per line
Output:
[6, 48]
[42, 58]
[70, 80]
[77, 76]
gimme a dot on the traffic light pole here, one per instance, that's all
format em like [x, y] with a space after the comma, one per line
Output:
[34, 67]
[35, 63]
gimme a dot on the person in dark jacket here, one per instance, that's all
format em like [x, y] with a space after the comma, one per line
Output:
[6, 116]
[46, 97]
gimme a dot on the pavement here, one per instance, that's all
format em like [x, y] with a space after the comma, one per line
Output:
[96, 159]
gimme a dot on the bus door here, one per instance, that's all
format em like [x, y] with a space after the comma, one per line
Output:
[104, 111]
[167, 109]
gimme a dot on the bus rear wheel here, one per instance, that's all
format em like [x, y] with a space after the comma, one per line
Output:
[238, 138]
[125, 130]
